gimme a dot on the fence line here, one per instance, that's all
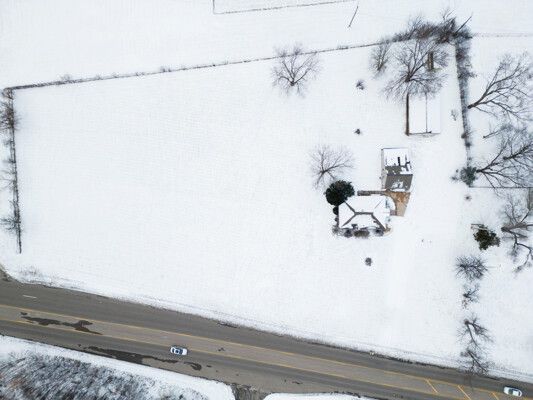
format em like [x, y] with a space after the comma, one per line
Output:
[184, 68]
[8, 94]
[259, 9]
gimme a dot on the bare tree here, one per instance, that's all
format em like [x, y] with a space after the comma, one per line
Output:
[328, 164]
[474, 355]
[470, 294]
[444, 31]
[474, 360]
[518, 213]
[416, 57]
[8, 177]
[294, 69]
[416, 71]
[475, 333]
[415, 68]
[470, 267]
[379, 57]
[512, 165]
[509, 91]
[12, 223]
[8, 122]
[498, 130]
[8, 119]
[476, 336]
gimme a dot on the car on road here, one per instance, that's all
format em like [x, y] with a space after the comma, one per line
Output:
[179, 351]
[511, 391]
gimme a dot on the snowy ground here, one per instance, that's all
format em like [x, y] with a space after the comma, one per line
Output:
[233, 198]
[152, 383]
[202, 176]
[502, 292]
[86, 38]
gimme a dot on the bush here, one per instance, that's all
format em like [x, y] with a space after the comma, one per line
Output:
[468, 175]
[336, 210]
[486, 238]
[368, 261]
[338, 192]
[454, 114]
[362, 234]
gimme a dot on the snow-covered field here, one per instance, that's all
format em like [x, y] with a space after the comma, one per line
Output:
[85, 38]
[95, 377]
[202, 177]
[502, 292]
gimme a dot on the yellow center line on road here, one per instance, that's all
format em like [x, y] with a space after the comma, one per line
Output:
[494, 394]
[219, 354]
[218, 341]
[432, 387]
[461, 389]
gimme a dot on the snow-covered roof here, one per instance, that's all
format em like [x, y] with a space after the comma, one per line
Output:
[396, 161]
[379, 206]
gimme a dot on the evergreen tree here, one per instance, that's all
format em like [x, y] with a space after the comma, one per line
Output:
[486, 238]
[338, 192]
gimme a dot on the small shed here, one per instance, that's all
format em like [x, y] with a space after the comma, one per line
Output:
[396, 172]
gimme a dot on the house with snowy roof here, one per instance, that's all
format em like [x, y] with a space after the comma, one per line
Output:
[368, 213]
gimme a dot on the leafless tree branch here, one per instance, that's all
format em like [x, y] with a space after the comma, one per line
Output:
[470, 294]
[8, 118]
[328, 164]
[474, 360]
[509, 91]
[294, 69]
[470, 267]
[379, 58]
[12, 223]
[477, 336]
[518, 214]
[512, 165]
[411, 73]
[476, 333]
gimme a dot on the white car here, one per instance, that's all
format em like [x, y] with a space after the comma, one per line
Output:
[511, 391]
[179, 351]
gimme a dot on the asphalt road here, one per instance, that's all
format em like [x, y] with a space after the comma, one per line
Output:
[219, 351]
